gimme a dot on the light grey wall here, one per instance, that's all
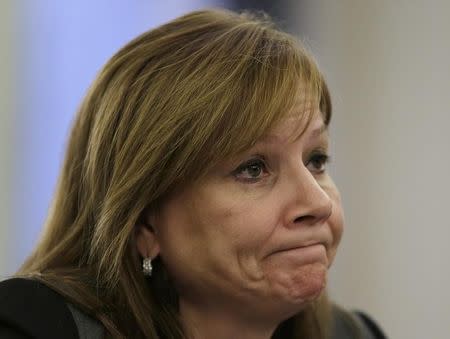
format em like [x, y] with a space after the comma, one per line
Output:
[388, 66]
[6, 131]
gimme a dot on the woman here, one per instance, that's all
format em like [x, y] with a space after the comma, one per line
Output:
[194, 200]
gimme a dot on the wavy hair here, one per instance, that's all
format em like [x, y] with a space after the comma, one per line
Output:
[161, 113]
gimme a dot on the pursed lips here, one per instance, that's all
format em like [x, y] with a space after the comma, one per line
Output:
[290, 247]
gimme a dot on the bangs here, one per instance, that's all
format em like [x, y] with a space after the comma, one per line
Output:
[240, 77]
[278, 81]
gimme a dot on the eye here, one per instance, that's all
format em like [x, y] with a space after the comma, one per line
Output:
[251, 170]
[317, 162]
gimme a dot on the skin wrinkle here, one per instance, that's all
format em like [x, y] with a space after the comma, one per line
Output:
[298, 291]
[225, 216]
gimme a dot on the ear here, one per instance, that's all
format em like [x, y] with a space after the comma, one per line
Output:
[146, 239]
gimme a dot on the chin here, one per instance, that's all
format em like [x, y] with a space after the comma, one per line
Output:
[307, 284]
[292, 292]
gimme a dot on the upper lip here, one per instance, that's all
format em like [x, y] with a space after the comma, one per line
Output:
[288, 247]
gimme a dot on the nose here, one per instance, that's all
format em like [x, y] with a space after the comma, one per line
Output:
[309, 204]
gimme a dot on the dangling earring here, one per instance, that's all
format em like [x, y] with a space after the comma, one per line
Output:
[147, 267]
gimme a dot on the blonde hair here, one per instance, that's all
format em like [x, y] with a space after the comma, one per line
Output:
[165, 108]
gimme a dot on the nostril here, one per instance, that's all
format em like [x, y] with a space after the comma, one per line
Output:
[314, 210]
[304, 219]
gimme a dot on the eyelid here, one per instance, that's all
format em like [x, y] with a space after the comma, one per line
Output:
[250, 160]
[319, 155]
[255, 160]
[321, 150]
[322, 156]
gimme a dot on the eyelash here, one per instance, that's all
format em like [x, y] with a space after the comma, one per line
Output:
[318, 158]
[257, 161]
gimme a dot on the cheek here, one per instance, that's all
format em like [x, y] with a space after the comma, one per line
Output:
[243, 220]
[244, 229]
[220, 233]
[336, 223]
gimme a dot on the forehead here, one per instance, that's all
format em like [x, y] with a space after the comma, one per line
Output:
[296, 126]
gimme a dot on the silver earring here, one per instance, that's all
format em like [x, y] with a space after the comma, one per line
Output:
[147, 266]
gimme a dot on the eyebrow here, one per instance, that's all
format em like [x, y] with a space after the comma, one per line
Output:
[272, 138]
[319, 131]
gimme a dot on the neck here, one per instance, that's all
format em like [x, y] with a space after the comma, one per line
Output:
[222, 323]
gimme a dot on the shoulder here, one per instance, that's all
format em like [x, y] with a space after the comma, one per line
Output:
[29, 308]
[354, 324]
[369, 325]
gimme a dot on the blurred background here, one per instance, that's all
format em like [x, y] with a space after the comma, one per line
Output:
[387, 64]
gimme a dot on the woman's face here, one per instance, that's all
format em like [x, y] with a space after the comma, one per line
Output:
[260, 231]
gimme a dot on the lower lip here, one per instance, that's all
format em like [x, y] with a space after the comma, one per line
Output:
[307, 254]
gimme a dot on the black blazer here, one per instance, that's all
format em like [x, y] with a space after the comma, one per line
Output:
[29, 309]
